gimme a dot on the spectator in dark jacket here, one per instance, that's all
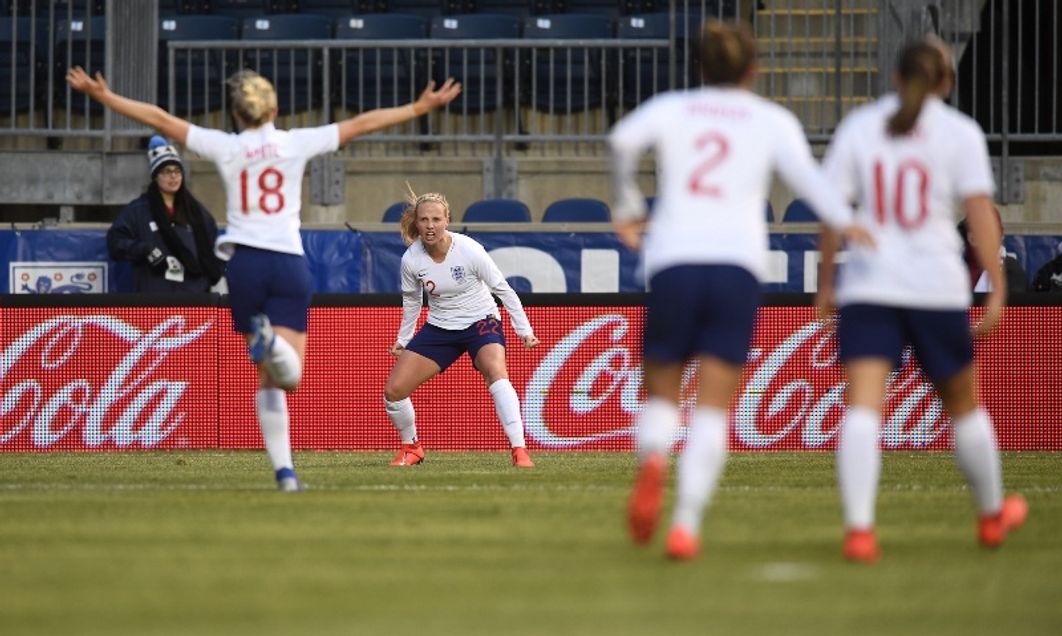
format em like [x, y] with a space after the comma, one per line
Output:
[1049, 276]
[165, 232]
[1017, 279]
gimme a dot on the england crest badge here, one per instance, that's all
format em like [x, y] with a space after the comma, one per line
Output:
[458, 273]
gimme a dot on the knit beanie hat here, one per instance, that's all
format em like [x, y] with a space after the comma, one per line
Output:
[161, 153]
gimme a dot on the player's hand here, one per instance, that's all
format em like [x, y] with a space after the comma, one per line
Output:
[825, 303]
[630, 233]
[397, 349]
[858, 235]
[994, 303]
[530, 341]
[432, 99]
[79, 80]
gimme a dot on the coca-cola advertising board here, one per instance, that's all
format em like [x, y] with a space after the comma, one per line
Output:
[115, 378]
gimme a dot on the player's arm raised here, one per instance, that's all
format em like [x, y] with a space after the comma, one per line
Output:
[380, 118]
[148, 114]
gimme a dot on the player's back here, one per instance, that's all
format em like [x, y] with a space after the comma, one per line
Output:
[716, 149]
[909, 188]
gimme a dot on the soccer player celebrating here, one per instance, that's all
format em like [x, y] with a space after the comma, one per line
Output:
[458, 276]
[268, 275]
[705, 255]
[908, 159]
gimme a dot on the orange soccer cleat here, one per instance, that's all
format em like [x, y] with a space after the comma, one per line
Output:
[521, 459]
[409, 455]
[682, 545]
[643, 508]
[993, 529]
[861, 546]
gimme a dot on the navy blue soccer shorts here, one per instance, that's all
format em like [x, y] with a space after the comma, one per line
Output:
[445, 346]
[940, 339]
[696, 310]
[276, 284]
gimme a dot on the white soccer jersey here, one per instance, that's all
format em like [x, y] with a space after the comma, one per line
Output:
[459, 289]
[908, 189]
[716, 149]
[262, 171]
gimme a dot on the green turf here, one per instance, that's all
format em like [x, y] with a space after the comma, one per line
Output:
[199, 543]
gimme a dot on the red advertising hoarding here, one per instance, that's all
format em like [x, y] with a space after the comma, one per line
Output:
[94, 378]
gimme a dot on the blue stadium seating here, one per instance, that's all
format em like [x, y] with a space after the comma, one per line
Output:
[199, 75]
[393, 214]
[799, 212]
[21, 50]
[296, 73]
[497, 211]
[476, 69]
[239, 8]
[577, 211]
[645, 71]
[555, 89]
[426, 8]
[334, 8]
[378, 78]
[80, 42]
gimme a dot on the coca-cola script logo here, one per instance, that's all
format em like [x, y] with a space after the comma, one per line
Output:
[54, 381]
[587, 390]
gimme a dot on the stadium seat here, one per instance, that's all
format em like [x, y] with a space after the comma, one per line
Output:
[497, 211]
[567, 78]
[393, 214]
[239, 8]
[799, 212]
[425, 8]
[199, 75]
[645, 70]
[476, 68]
[577, 211]
[610, 8]
[20, 55]
[379, 78]
[78, 41]
[340, 8]
[296, 73]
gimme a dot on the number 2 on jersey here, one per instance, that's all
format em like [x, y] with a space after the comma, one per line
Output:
[909, 168]
[717, 148]
[271, 200]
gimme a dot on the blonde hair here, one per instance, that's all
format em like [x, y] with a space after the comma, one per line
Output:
[254, 100]
[408, 223]
[728, 51]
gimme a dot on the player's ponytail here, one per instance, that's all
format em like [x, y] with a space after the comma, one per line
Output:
[921, 68]
[728, 52]
[254, 100]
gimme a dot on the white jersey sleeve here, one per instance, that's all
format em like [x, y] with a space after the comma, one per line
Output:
[629, 139]
[972, 169]
[839, 163]
[488, 272]
[212, 144]
[412, 300]
[318, 140]
[798, 169]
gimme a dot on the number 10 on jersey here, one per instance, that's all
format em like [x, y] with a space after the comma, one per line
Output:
[270, 198]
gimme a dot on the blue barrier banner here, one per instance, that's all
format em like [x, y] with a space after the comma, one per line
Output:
[345, 261]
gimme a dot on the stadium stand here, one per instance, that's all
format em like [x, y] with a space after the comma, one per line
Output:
[567, 79]
[645, 71]
[199, 75]
[497, 211]
[337, 8]
[376, 78]
[295, 73]
[78, 41]
[577, 211]
[799, 212]
[393, 213]
[238, 8]
[476, 69]
[20, 50]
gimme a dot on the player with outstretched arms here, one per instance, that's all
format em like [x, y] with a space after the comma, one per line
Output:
[704, 254]
[458, 277]
[268, 275]
[909, 160]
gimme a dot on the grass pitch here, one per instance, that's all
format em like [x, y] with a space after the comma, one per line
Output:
[200, 543]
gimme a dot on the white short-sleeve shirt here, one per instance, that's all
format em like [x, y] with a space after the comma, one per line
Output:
[262, 170]
[908, 190]
[716, 150]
